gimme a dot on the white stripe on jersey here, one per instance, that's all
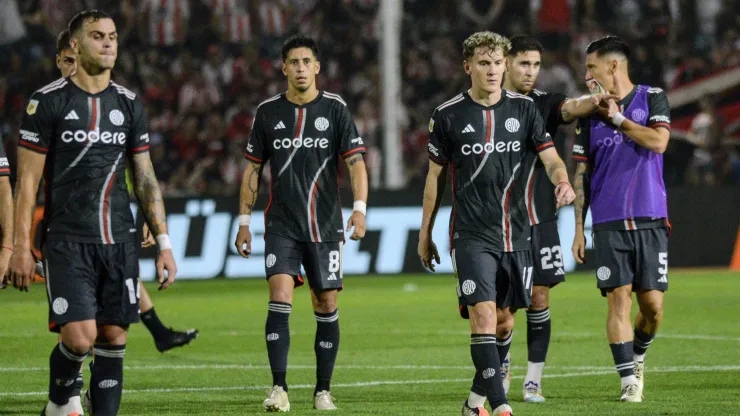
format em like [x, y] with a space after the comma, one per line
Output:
[454, 100]
[489, 139]
[268, 100]
[104, 212]
[538, 92]
[311, 203]
[505, 219]
[124, 91]
[90, 102]
[334, 97]
[60, 83]
[300, 113]
[529, 198]
[517, 95]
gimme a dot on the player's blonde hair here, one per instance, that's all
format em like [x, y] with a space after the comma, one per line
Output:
[490, 40]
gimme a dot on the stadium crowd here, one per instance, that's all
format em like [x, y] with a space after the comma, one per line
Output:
[202, 66]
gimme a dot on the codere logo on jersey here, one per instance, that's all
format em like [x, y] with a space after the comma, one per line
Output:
[94, 136]
[309, 142]
[498, 147]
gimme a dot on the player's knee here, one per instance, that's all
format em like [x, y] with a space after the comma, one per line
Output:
[653, 313]
[540, 298]
[79, 345]
[483, 317]
[325, 302]
[504, 323]
[112, 335]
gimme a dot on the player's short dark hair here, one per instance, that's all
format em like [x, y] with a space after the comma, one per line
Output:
[86, 15]
[299, 41]
[63, 41]
[607, 45]
[524, 43]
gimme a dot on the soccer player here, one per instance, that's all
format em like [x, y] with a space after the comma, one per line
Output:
[522, 68]
[164, 338]
[488, 138]
[303, 132]
[620, 176]
[77, 131]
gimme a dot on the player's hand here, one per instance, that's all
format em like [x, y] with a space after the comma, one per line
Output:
[427, 252]
[166, 261]
[21, 269]
[564, 194]
[244, 238]
[357, 219]
[148, 237]
[609, 111]
[5, 255]
[602, 100]
[579, 247]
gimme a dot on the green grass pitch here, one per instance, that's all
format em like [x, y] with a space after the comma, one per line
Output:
[404, 351]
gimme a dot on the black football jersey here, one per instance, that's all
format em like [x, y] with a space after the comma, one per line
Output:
[303, 144]
[86, 138]
[490, 150]
[540, 190]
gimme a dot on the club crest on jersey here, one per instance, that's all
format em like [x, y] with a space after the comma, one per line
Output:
[512, 125]
[321, 124]
[116, 117]
[638, 115]
[32, 105]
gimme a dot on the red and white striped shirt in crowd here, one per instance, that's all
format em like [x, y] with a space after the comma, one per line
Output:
[273, 19]
[234, 19]
[167, 21]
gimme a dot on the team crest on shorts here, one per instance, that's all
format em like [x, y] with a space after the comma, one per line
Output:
[59, 306]
[603, 273]
[270, 260]
[468, 287]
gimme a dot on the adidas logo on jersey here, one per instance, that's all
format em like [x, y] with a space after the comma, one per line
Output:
[560, 272]
[72, 116]
[468, 129]
[280, 125]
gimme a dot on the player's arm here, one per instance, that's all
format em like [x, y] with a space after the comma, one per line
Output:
[29, 170]
[147, 191]
[582, 188]
[351, 149]
[434, 188]
[247, 199]
[6, 218]
[573, 108]
[545, 148]
[256, 154]
[358, 177]
[656, 134]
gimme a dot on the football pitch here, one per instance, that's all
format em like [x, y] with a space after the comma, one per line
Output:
[404, 351]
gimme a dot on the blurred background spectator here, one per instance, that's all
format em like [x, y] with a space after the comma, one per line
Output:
[203, 66]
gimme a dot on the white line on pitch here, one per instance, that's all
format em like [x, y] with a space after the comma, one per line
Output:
[682, 369]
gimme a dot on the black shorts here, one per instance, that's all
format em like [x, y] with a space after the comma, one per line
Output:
[485, 275]
[548, 254]
[638, 258]
[91, 281]
[322, 261]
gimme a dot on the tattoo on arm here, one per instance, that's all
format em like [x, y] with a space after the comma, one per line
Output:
[353, 159]
[552, 168]
[579, 186]
[147, 191]
[250, 188]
